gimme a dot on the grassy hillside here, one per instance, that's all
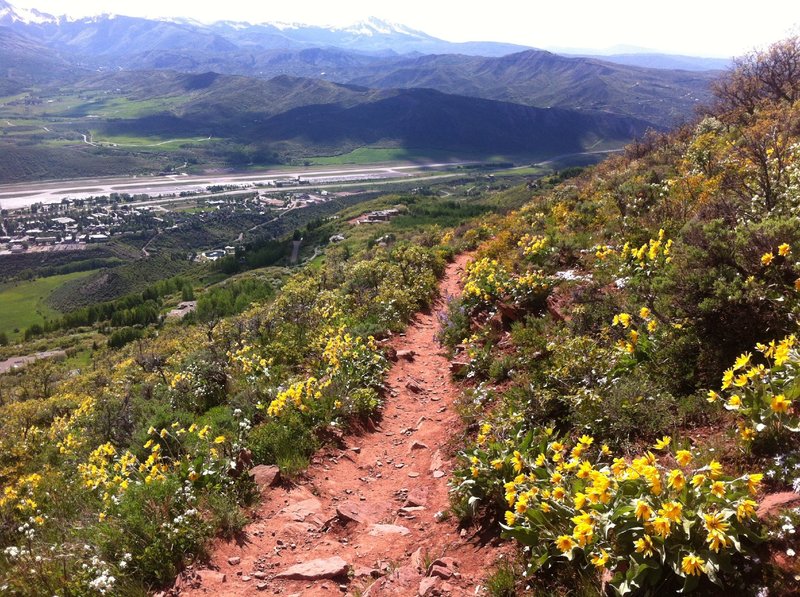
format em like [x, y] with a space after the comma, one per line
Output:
[27, 303]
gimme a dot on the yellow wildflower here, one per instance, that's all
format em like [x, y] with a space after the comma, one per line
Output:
[784, 250]
[780, 404]
[643, 510]
[583, 534]
[715, 469]
[565, 543]
[693, 565]
[672, 511]
[600, 560]
[676, 480]
[754, 482]
[516, 460]
[767, 258]
[734, 402]
[747, 434]
[580, 500]
[684, 457]
[746, 509]
[645, 546]
[511, 518]
[662, 443]
[661, 526]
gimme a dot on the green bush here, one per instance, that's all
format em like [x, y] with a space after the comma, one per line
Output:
[287, 442]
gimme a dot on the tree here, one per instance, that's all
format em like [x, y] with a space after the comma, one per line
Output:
[763, 75]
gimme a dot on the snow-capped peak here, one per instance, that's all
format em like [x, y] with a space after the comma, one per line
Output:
[375, 26]
[27, 16]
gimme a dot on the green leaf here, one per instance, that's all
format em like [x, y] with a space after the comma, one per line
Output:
[689, 584]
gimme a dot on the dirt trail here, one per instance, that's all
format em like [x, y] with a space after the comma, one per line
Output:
[372, 506]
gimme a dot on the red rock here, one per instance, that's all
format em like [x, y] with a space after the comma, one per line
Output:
[417, 445]
[352, 511]
[440, 571]
[404, 576]
[381, 530]
[417, 497]
[316, 569]
[772, 503]
[436, 461]
[406, 354]
[447, 562]
[429, 586]
[303, 509]
[418, 559]
[459, 367]
[265, 476]
[212, 576]
[234, 561]
[414, 386]
[363, 571]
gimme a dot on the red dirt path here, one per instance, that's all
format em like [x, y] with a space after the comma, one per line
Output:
[373, 478]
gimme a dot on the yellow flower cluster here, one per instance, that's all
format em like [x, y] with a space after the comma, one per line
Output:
[753, 390]
[533, 244]
[569, 496]
[602, 252]
[486, 279]
[246, 359]
[298, 394]
[182, 377]
[652, 254]
[784, 250]
[21, 494]
[626, 320]
[110, 473]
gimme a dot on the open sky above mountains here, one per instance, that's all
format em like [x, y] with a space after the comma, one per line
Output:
[710, 28]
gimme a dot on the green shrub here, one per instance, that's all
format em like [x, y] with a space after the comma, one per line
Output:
[287, 442]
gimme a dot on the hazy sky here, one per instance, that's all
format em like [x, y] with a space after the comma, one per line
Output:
[698, 27]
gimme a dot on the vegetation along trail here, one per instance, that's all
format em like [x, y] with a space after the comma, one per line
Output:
[366, 519]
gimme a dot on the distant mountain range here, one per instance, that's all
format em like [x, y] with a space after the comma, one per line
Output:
[294, 90]
[102, 38]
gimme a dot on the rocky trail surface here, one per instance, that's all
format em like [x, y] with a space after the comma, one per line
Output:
[367, 518]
